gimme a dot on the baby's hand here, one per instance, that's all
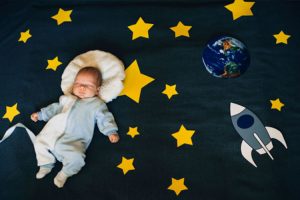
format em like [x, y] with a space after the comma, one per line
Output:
[34, 117]
[114, 138]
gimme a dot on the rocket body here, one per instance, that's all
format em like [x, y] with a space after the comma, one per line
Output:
[255, 135]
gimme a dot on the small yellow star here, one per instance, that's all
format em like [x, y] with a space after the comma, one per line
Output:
[62, 16]
[276, 104]
[126, 165]
[170, 91]
[140, 29]
[11, 112]
[183, 136]
[177, 186]
[24, 36]
[181, 30]
[240, 8]
[134, 82]
[133, 132]
[281, 37]
[53, 64]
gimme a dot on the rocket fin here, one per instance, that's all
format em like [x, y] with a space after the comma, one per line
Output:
[276, 134]
[246, 151]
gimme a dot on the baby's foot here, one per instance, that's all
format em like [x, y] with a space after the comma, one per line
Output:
[60, 179]
[43, 172]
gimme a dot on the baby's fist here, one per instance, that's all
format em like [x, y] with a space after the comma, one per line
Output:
[34, 117]
[114, 138]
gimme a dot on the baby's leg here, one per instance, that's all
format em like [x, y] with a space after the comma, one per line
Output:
[43, 155]
[44, 158]
[44, 170]
[72, 164]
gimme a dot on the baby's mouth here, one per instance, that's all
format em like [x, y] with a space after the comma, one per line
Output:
[81, 93]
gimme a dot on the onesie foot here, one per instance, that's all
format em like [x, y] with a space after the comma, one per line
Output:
[60, 179]
[43, 172]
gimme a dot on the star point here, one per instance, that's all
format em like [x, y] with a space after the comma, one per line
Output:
[170, 90]
[53, 64]
[181, 30]
[133, 132]
[11, 112]
[281, 37]
[276, 104]
[62, 16]
[177, 186]
[134, 82]
[126, 165]
[240, 8]
[24, 36]
[183, 136]
[140, 29]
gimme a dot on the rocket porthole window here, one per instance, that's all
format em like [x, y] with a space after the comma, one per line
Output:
[245, 121]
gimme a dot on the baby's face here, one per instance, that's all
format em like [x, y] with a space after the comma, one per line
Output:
[85, 86]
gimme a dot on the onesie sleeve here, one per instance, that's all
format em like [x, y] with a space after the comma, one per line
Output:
[105, 121]
[48, 112]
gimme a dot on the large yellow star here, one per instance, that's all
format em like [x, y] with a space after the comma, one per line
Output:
[170, 91]
[62, 16]
[240, 8]
[53, 64]
[140, 29]
[276, 104]
[177, 186]
[126, 165]
[24, 36]
[183, 136]
[181, 30]
[133, 132]
[134, 82]
[281, 37]
[11, 112]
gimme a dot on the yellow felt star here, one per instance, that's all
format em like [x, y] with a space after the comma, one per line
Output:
[24, 36]
[126, 165]
[134, 82]
[62, 16]
[133, 132]
[177, 186]
[170, 91]
[281, 37]
[53, 64]
[240, 8]
[183, 136]
[276, 104]
[11, 112]
[181, 30]
[140, 29]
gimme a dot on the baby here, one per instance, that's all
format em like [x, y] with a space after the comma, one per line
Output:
[70, 126]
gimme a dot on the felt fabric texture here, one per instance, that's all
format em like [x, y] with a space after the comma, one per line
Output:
[213, 166]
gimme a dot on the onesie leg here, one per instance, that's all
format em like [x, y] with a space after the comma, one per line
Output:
[72, 163]
[60, 179]
[43, 155]
[44, 170]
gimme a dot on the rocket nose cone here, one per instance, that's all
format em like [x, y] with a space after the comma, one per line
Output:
[235, 109]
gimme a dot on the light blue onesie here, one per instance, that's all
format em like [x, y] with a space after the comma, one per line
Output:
[70, 147]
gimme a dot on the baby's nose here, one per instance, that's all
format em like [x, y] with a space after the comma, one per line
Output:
[82, 87]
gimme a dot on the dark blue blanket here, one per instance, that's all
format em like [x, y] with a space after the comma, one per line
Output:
[213, 167]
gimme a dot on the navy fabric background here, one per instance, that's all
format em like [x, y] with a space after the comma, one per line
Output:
[213, 167]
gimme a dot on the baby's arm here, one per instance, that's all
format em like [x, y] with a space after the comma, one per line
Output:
[106, 123]
[48, 112]
[34, 117]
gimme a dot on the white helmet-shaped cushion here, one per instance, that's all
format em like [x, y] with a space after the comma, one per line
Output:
[111, 68]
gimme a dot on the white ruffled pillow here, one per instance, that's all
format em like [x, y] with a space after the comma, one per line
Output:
[111, 68]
